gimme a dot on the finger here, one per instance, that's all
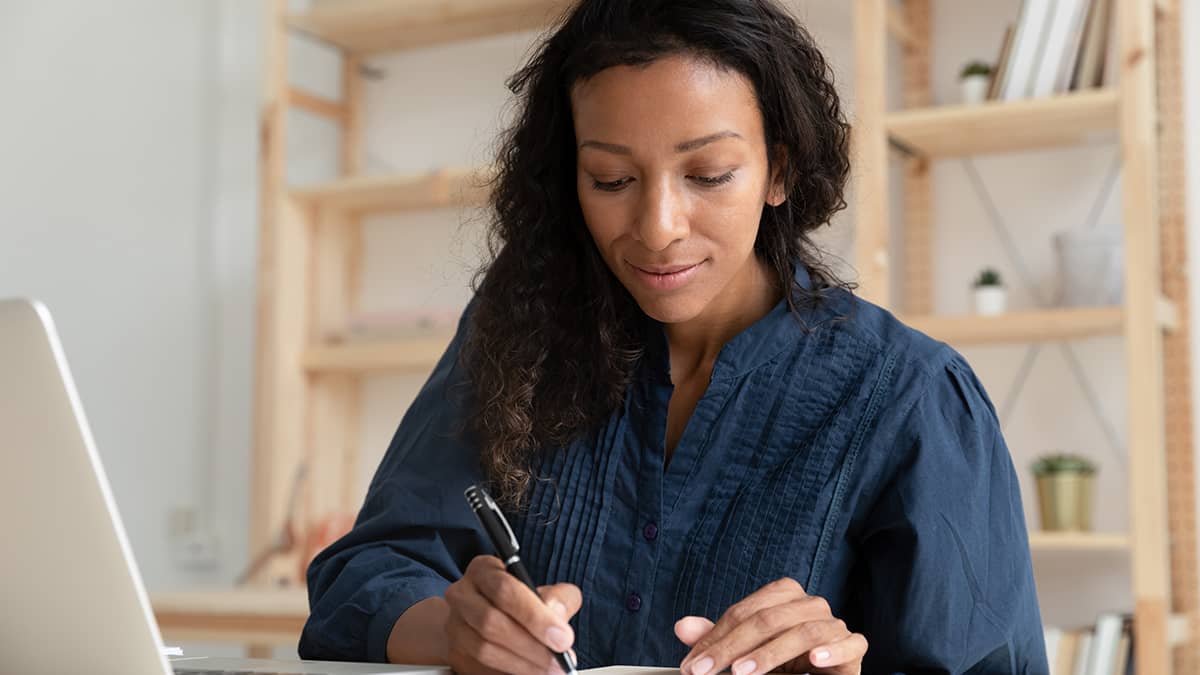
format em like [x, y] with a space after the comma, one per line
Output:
[470, 643]
[808, 640]
[520, 602]
[567, 596]
[759, 629]
[689, 629]
[849, 649]
[465, 665]
[774, 593]
[495, 626]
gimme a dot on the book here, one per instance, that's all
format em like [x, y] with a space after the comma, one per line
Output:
[1052, 637]
[1055, 44]
[1102, 659]
[1083, 649]
[1068, 646]
[1090, 67]
[997, 82]
[1123, 662]
[1027, 44]
[1066, 66]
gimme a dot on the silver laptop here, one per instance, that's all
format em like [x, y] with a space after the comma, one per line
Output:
[71, 598]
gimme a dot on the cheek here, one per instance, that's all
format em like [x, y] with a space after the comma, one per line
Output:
[605, 218]
[734, 219]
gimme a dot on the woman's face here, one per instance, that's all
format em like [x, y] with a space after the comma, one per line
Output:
[672, 168]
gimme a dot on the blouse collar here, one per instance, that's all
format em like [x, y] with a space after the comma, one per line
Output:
[757, 344]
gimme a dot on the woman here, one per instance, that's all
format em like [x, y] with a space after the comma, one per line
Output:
[713, 453]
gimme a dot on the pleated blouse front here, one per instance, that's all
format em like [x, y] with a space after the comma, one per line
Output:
[839, 448]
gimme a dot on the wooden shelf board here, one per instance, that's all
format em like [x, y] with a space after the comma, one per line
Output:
[411, 355]
[400, 192]
[248, 601]
[1032, 326]
[262, 616]
[993, 127]
[1078, 541]
[373, 26]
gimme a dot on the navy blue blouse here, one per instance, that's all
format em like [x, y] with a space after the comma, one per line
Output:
[844, 450]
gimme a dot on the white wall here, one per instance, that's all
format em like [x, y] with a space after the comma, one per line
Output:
[107, 136]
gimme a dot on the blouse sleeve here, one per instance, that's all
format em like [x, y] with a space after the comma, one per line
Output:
[947, 582]
[414, 535]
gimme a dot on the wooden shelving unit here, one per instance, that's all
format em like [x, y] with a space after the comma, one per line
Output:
[308, 388]
[1144, 115]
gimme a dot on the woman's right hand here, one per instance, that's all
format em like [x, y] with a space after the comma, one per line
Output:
[497, 625]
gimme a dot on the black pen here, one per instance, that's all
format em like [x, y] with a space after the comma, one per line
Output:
[507, 548]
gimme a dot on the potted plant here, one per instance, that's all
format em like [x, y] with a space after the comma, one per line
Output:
[1064, 485]
[975, 79]
[990, 295]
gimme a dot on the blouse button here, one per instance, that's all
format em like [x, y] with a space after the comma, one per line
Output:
[634, 602]
[650, 531]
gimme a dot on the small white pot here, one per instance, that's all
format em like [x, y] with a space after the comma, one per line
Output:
[990, 300]
[975, 88]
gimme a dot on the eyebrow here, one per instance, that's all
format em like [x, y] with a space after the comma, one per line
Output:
[686, 146]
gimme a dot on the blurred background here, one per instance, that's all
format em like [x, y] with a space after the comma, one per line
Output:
[130, 155]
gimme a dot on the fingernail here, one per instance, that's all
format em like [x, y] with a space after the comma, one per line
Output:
[821, 656]
[702, 666]
[558, 608]
[745, 667]
[557, 638]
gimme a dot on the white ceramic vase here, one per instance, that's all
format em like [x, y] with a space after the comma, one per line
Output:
[974, 88]
[990, 300]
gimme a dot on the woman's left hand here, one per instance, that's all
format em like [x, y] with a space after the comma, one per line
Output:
[778, 627]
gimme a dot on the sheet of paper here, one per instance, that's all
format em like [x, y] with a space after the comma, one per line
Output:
[630, 670]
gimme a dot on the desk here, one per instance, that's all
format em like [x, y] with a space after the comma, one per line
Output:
[257, 617]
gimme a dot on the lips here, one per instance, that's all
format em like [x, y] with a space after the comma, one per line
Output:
[661, 278]
[665, 269]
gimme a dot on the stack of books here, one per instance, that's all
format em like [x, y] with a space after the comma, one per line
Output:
[1103, 649]
[1056, 46]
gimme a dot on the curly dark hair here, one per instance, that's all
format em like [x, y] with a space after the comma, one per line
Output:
[554, 338]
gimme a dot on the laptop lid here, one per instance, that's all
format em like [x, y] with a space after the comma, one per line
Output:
[71, 597]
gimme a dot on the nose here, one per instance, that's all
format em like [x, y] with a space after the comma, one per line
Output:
[662, 218]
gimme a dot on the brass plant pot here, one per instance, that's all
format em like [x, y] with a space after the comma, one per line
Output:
[1065, 500]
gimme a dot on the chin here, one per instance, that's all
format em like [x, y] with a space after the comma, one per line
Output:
[670, 310]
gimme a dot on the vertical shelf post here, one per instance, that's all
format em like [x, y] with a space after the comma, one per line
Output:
[917, 263]
[280, 397]
[1177, 385]
[870, 148]
[1143, 338]
[334, 425]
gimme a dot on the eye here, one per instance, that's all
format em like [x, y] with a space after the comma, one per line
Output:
[613, 186]
[713, 181]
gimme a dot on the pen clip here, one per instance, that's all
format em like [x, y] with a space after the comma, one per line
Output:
[512, 538]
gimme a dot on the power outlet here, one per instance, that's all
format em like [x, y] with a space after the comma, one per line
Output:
[196, 551]
[192, 546]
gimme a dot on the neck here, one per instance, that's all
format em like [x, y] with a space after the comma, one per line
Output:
[695, 343]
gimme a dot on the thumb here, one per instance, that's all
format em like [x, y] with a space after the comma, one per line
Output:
[564, 599]
[690, 629]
